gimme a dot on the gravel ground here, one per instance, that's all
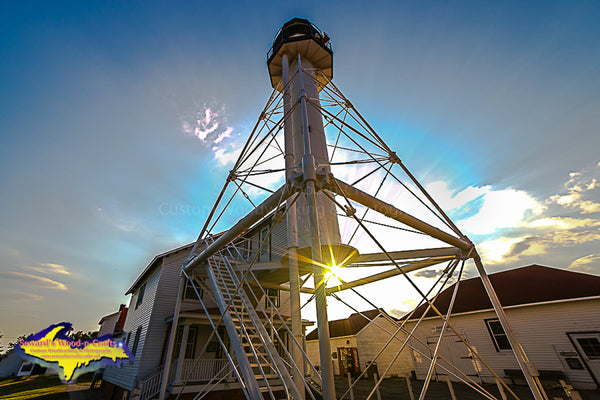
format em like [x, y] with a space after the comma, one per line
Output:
[397, 389]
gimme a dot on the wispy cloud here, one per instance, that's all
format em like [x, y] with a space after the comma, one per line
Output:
[210, 126]
[578, 187]
[225, 134]
[547, 227]
[19, 296]
[204, 124]
[225, 157]
[427, 273]
[34, 280]
[48, 268]
[481, 210]
[589, 264]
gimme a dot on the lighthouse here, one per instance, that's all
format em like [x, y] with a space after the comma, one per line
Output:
[300, 61]
[292, 233]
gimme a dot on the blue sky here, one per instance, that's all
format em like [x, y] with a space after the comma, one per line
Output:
[494, 106]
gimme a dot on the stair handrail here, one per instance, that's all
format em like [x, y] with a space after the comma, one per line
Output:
[262, 334]
[284, 324]
[242, 329]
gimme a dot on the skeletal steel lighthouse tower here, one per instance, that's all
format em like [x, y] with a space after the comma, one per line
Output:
[300, 47]
[325, 192]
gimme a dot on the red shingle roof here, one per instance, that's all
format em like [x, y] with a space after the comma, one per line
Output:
[345, 327]
[525, 285]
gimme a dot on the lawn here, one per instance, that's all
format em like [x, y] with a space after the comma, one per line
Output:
[45, 387]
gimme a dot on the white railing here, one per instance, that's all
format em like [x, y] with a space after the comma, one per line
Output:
[151, 386]
[204, 370]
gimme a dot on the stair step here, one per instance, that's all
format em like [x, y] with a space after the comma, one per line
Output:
[259, 354]
[251, 337]
[227, 278]
[259, 377]
[273, 388]
[264, 365]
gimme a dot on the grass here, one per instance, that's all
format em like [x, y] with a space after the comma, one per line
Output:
[12, 379]
[45, 387]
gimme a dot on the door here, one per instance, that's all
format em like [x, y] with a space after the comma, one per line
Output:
[348, 361]
[587, 345]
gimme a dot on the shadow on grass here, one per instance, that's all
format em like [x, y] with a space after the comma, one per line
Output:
[47, 387]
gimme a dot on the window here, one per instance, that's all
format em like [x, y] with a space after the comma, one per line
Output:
[190, 343]
[244, 247]
[140, 296]
[251, 248]
[273, 295]
[590, 346]
[26, 367]
[573, 363]
[189, 293]
[498, 335]
[136, 340]
[264, 251]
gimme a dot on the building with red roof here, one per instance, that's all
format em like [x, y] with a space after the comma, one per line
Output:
[555, 314]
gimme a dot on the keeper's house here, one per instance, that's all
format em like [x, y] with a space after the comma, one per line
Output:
[555, 314]
[197, 358]
[356, 341]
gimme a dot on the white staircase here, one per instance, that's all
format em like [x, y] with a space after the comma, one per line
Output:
[261, 367]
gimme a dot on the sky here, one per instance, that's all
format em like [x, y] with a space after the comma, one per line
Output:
[120, 120]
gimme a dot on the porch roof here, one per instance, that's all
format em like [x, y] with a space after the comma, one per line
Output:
[216, 313]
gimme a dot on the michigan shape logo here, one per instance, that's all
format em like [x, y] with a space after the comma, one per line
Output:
[52, 348]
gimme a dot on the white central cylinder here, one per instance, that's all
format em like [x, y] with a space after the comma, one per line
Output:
[329, 230]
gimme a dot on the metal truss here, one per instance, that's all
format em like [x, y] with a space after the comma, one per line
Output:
[384, 212]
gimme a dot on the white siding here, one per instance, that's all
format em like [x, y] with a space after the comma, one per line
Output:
[284, 303]
[158, 305]
[279, 241]
[541, 329]
[10, 364]
[164, 306]
[369, 341]
[108, 325]
[312, 351]
[125, 375]
[372, 338]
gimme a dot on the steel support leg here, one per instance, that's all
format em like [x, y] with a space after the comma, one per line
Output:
[169, 355]
[527, 366]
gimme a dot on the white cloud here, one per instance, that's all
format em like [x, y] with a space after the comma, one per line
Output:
[225, 134]
[451, 200]
[210, 126]
[224, 157]
[34, 280]
[48, 268]
[589, 264]
[203, 133]
[19, 296]
[580, 185]
[496, 251]
[504, 208]
[562, 223]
